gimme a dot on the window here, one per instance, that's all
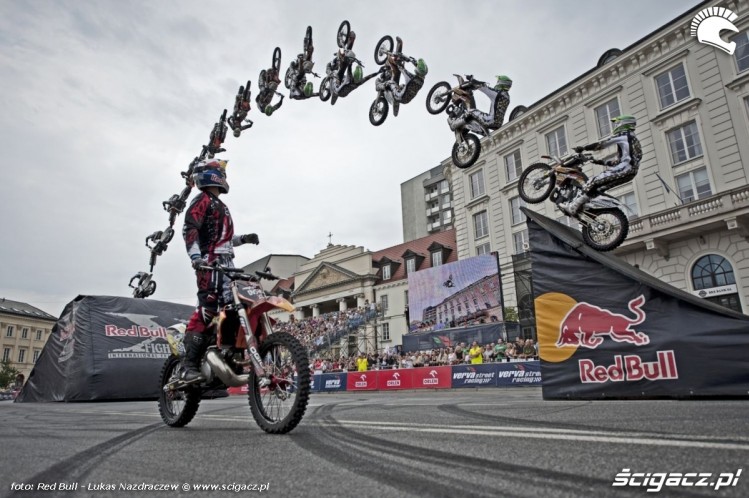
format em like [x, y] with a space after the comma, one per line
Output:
[630, 201]
[444, 187]
[386, 272]
[480, 225]
[693, 185]
[477, 184]
[6, 354]
[447, 217]
[21, 355]
[436, 258]
[715, 271]
[446, 201]
[410, 265]
[672, 86]
[742, 51]
[9, 331]
[384, 302]
[521, 241]
[483, 249]
[513, 166]
[37, 352]
[38, 335]
[604, 113]
[517, 216]
[684, 143]
[385, 332]
[556, 142]
[24, 333]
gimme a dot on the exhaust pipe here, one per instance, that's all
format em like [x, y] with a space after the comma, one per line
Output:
[223, 372]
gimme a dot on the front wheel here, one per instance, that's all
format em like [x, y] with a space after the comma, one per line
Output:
[177, 407]
[280, 406]
[465, 154]
[277, 59]
[384, 45]
[604, 229]
[378, 111]
[325, 88]
[261, 80]
[438, 98]
[536, 183]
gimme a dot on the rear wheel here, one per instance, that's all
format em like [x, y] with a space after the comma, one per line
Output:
[325, 89]
[280, 406]
[288, 79]
[385, 45]
[277, 59]
[607, 230]
[536, 183]
[177, 407]
[261, 80]
[308, 39]
[437, 98]
[466, 154]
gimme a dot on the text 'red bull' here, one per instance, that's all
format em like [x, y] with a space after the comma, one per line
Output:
[134, 331]
[586, 325]
[630, 368]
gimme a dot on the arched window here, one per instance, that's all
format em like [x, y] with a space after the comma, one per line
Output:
[713, 272]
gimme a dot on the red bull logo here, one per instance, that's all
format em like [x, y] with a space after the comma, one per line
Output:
[630, 368]
[586, 325]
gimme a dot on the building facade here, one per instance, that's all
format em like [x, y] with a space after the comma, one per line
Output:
[690, 200]
[426, 204]
[24, 331]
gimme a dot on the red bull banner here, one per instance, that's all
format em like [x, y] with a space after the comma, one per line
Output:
[608, 330]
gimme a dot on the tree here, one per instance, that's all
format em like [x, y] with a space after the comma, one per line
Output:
[7, 373]
[511, 314]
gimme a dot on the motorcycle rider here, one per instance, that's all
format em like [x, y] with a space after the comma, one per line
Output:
[241, 109]
[347, 80]
[301, 88]
[265, 96]
[209, 236]
[621, 170]
[406, 92]
[500, 102]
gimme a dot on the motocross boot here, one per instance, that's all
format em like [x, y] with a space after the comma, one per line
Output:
[195, 346]
[575, 204]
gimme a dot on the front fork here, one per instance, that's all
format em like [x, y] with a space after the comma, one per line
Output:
[252, 344]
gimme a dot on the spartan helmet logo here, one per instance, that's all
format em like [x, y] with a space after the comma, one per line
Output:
[708, 24]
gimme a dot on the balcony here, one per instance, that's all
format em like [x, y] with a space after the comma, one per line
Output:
[727, 210]
[433, 195]
[434, 210]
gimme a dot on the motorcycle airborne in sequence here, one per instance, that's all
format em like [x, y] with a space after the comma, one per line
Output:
[296, 75]
[279, 375]
[341, 77]
[604, 224]
[458, 101]
[393, 65]
[268, 82]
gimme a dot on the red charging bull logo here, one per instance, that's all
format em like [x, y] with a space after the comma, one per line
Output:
[586, 325]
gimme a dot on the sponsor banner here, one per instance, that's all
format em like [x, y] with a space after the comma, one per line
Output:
[432, 378]
[607, 329]
[520, 373]
[395, 379]
[315, 383]
[332, 382]
[484, 375]
[362, 381]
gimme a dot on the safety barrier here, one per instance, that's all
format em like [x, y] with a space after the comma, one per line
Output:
[521, 373]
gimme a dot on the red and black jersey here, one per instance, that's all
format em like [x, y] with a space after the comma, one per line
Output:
[208, 229]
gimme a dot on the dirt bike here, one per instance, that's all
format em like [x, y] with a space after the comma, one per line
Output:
[238, 121]
[268, 82]
[458, 101]
[295, 79]
[340, 78]
[604, 224]
[279, 376]
[393, 65]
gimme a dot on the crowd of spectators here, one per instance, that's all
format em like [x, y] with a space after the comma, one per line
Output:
[500, 351]
[318, 332]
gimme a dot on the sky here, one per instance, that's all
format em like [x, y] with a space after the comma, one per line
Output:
[105, 103]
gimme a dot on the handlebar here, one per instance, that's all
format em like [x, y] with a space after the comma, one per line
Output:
[238, 273]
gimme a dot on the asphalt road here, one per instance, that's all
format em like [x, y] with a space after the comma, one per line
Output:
[488, 442]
